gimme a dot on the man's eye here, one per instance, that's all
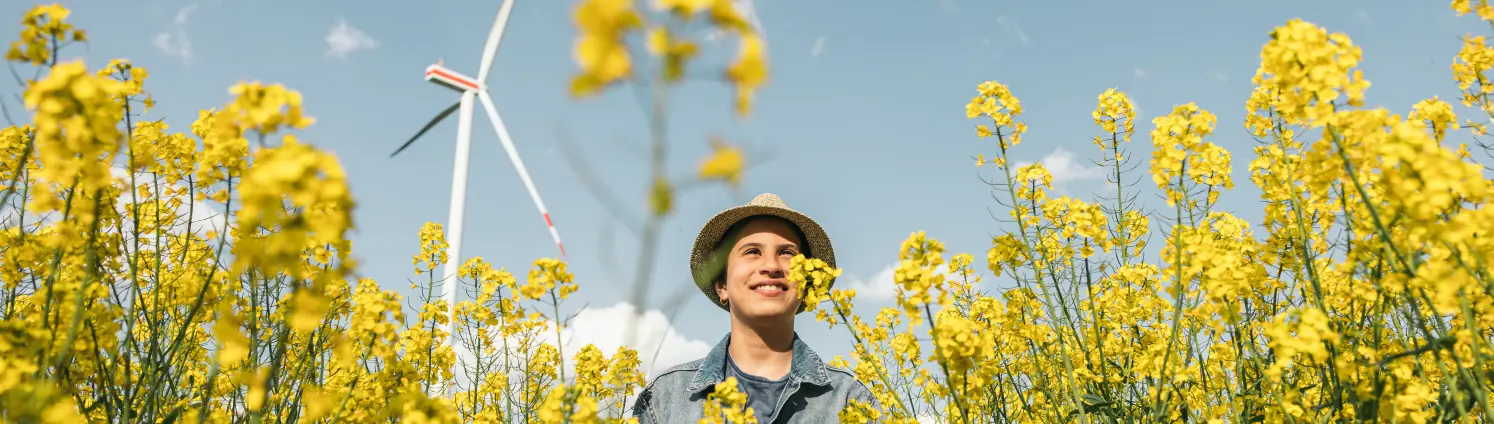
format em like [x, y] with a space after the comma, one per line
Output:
[749, 252]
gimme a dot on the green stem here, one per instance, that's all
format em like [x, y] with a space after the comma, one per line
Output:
[1038, 280]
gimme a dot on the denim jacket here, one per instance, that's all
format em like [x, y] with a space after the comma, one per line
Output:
[816, 392]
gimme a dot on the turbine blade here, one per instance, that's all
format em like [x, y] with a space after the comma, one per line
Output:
[513, 155]
[428, 126]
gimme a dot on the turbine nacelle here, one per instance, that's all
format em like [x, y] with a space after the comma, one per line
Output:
[454, 80]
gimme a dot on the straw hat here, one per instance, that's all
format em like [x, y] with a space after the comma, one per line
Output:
[703, 262]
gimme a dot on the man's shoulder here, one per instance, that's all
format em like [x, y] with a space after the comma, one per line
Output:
[847, 383]
[839, 371]
[845, 377]
[685, 370]
[676, 376]
[665, 392]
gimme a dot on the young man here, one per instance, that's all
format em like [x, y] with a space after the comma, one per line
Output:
[741, 263]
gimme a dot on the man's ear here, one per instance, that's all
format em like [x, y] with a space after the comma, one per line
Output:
[720, 290]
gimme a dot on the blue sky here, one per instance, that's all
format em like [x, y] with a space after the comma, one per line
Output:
[863, 116]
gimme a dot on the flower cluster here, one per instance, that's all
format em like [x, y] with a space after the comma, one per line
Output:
[602, 54]
[812, 277]
[727, 404]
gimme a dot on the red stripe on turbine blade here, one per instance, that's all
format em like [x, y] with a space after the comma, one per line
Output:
[547, 220]
[562, 249]
[457, 79]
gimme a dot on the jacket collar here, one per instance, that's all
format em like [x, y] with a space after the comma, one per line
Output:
[807, 367]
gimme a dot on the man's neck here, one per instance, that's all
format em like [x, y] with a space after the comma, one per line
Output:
[765, 351]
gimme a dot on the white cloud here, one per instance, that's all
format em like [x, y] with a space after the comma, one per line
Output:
[344, 40]
[882, 286]
[204, 218]
[1138, 73]
[659, 344]
[1219, 75]
[818, 47]
[184, 13]
[173, 44]
[1066, 167]
[174, 41]
[1010, 25]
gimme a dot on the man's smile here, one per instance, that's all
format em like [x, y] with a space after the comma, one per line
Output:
[769, 288]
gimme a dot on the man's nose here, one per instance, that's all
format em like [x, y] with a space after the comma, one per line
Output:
[774, 268]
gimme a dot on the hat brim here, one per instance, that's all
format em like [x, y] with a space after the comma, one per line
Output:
[706, 265]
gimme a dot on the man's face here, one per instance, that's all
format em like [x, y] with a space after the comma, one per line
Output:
[756, 280]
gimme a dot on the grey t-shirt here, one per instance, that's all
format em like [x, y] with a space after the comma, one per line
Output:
[762, 393]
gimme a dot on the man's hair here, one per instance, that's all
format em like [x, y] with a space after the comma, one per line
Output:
[734, 232]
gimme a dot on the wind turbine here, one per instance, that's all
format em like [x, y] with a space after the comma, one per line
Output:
[473, 89]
